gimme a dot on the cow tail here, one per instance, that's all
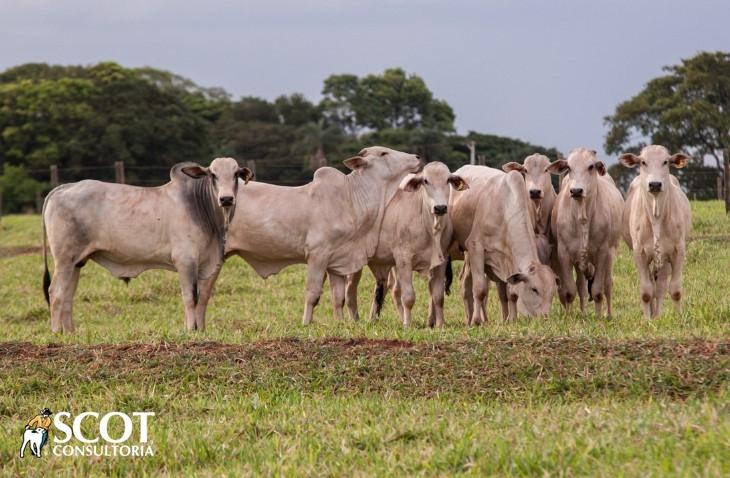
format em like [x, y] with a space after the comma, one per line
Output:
[46, 274]
[449, 276]
[379, 297]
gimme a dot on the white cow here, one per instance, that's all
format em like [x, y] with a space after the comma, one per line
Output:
[332, 224]
[179, 226]
[34, 438]
[415, 236]
[542, 198]
[493, 225]
[586, 222]
[656, 224]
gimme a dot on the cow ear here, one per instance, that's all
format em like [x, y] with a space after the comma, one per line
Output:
[458, 182]
[411, 182]
[245, 174]
[356, 162]
[196, 171]
[601, 168]
[629, 160]
[558, 166]
[679, 160]
[512, 166]
[516, 278]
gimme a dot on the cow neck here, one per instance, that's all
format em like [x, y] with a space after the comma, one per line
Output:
[654, 207]
[520, 237]
[435, 225]
[369, 200]
[583, 212]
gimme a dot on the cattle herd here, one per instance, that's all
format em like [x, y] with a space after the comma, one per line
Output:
[394, 215]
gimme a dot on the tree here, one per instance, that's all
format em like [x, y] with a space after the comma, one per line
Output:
[392, 100]
[18, 189]
[686, 109]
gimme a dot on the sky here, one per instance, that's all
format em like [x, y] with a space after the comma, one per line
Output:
[546, 72]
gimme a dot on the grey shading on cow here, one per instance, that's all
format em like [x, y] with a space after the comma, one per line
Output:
[542, 198]
[586, 222]
[414, 237]
[331, 224]
[179, 226]
[493, 227]
[657, 221]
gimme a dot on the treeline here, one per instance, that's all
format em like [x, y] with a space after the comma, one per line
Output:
[84, 118]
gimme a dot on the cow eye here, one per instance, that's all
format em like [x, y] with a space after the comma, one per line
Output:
[535, 290]
[643, 163]
[383, 153]
[425, 181]
[590, 168]
[665, 163]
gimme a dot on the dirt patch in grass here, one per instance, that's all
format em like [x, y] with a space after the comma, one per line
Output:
[497, 368]
[12, 251]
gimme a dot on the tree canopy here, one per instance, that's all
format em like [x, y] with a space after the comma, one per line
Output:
[84, 118]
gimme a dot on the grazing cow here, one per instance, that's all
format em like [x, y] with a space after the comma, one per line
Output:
[586, 222]
[415, 236]
[332, 224]
[542, 198]
[179, 226]
[492, 223]
[656, 223]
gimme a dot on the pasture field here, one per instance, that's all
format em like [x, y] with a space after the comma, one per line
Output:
[259, 394]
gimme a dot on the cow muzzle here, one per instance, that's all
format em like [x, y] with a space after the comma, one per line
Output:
[655, 187]
[440, 210]
[576, 193]
[226, 201]
[535, 194]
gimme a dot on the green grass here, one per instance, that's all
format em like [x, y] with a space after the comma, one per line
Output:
[257, 393]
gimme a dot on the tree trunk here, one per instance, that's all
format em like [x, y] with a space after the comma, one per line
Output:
[726, 173]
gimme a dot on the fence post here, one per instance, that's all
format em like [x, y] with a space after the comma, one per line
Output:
[54, 176]
[472, 145]
[719, 187]
[119, 171]
[38, 202]
[251, 164]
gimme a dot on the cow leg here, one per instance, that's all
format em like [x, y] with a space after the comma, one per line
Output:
[662, 283]
[466, 286]
[582, 285]
[353, 280]
[397, 295]
[503, 300]
[337, 286]
[380, 273]
[189, 287]
[646, 283]
[63, 288]
[675, 283]
[479, 285]
[205, 292]
[408, 295]
[437, 289]
[567, 290]
[315, 278]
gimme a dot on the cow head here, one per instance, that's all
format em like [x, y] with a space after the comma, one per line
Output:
[584, 168]
[654, 162]
[384, 163]
[224, 174]
[434, 181]
[537, 177]
[535, 289]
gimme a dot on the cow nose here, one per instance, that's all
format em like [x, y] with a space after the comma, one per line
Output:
[576, 192]
[226, 200]
[418, 157]
[535, 194]
[655, 186]
[440, 210]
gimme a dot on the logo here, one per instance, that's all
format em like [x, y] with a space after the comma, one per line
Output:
[112, 434]
[36, 433]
